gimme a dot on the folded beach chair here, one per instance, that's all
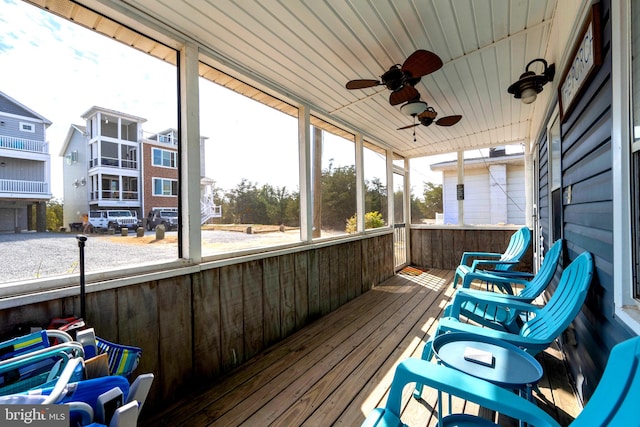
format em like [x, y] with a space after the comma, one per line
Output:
[123, 359]
[29, 361]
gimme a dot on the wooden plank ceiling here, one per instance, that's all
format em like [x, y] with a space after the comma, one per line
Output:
[307, 50]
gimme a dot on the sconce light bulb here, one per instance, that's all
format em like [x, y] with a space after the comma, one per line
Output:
[529, 95]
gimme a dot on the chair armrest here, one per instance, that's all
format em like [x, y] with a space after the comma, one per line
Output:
[530, 345]
[490, 301]
[504, 282]
[512, 274]
[459, 384]
[467, 255]
[481, 262]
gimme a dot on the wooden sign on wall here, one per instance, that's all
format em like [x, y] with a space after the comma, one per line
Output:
[585, 60]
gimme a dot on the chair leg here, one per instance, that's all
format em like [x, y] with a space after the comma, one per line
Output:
[456, 277]
[427, 354]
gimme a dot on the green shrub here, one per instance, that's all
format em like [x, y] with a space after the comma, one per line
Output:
[371, 220]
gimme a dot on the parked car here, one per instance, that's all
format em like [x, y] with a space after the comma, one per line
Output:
[116, 219]
[166, 217]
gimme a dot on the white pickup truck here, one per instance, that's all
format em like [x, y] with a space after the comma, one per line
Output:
[116, 219]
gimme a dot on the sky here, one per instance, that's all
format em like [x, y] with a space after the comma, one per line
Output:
[60, 70]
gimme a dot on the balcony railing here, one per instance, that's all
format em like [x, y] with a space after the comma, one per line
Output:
[113, 162]
[209, 210]
[115, 195]
[24, 144]
[24, 187]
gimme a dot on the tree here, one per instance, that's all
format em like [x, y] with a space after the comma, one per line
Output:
[429, 205]
[244, 204]
[54, 214]
[371, 220]
[338, 196]
[376, 196]
[432, 199]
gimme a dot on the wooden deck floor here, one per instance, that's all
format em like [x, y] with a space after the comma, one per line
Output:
[336, 370]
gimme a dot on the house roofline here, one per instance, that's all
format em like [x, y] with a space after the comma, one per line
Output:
[46, 121]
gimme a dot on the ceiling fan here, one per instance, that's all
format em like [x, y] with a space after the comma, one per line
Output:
[427, 115]
[401, 79]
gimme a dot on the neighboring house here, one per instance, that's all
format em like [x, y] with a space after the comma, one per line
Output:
[493, 189]
[208, 209]
[109, 160]
[110, 165]
[160, 166]
[74, 176]
[25, 167]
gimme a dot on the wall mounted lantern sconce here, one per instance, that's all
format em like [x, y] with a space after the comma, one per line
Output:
[530, 84]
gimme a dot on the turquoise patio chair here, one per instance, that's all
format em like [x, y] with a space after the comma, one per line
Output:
[499, 315]
[472, 261]
[614, 402]
[545, 323]
[532, 285]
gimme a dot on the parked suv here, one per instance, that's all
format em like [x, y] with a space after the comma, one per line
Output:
[116, 219]
[166, 217]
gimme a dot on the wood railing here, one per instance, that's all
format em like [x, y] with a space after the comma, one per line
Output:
[442, 247]
[198, 325]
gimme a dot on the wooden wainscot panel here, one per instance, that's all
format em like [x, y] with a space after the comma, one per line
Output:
[253, 315]
[138, 316]
[313, 284]
[206, 324]
[176, 354]
[325, 280]
[231, 316]
[287, 294]
[415, 248]
[334, 278]
[343, 282]
[16, 321]
[271, 295]
[102, 309]
[365, 265]
[301, 288]
[461, 241]
[437, 242]
[356, 264]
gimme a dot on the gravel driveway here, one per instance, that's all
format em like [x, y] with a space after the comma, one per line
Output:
[33, 255]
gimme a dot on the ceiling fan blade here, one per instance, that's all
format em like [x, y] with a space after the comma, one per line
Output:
[448, 121]
[409, 126]
[362, 83]
[405, 94]
[422, 62]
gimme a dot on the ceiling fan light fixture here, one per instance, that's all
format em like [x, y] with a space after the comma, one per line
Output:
[413, 108]
[530, 84]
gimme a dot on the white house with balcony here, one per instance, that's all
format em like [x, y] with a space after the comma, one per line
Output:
[25, 167]
[110, 163]
[102, 168]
